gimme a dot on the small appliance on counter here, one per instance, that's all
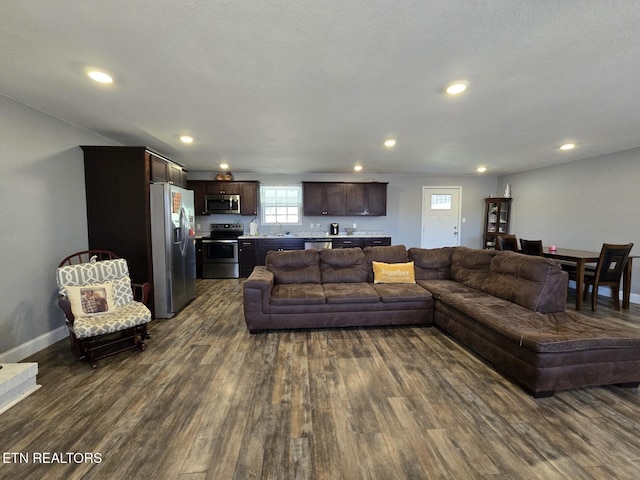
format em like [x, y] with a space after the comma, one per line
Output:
[335, 228]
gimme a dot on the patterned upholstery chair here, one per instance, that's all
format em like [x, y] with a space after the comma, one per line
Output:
[98, 301]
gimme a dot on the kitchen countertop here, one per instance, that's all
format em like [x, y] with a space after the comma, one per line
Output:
[316, 237]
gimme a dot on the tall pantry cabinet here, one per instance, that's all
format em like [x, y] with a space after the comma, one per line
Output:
[117, 183]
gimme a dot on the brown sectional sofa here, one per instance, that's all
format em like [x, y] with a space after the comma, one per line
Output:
[509, 308]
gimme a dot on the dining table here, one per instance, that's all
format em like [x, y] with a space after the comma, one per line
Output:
[583, 257]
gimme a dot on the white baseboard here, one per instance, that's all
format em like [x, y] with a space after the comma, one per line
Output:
[27, 349]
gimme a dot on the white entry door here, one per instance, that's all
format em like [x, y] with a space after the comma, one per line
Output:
[441, 216]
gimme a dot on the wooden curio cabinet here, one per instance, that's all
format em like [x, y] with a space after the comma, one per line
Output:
[497, 213]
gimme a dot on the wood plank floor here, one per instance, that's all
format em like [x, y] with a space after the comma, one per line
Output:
[207, 400]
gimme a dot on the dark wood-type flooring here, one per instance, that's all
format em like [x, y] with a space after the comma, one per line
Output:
[207, 400]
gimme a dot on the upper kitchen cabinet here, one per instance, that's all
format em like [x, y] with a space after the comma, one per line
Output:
[163, 170]
[345, 198]
[324, 198]
[366, 199]
[248, 191]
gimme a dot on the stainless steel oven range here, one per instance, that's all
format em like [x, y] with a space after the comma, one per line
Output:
[220, 251]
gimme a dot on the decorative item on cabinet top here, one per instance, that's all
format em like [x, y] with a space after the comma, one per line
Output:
[224, 177]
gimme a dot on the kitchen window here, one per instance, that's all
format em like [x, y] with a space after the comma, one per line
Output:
[281, 204]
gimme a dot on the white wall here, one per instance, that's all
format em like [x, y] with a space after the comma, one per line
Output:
[404, 204]
[580, 205]
[43, 220]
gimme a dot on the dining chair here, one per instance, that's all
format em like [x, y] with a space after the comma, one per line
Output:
[531, 247]
[507, 242]
[608, 273]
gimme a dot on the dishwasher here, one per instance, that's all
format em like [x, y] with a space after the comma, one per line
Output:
[317, 243]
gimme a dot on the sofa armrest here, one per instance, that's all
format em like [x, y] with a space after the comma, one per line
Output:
[257, 290]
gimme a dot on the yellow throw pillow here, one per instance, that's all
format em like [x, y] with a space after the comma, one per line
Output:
[394, 272]
[90, 300]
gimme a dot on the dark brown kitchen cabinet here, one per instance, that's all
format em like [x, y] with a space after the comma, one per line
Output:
[362, 242]
[263, 246]
[163, 170]
[246, 256]
[345, 198]
[199, 190]
[248, 191]
[324, 198]
[376, 242]
[117, 187]
[366, 199]
[223, 188]
[346, 242]
[248, 198]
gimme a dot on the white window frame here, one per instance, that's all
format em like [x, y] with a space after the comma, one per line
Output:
[288, 200]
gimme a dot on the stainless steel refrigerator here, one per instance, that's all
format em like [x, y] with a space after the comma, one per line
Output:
[173, 248]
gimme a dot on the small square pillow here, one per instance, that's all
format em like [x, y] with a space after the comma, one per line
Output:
[393, 272]
[90, 300]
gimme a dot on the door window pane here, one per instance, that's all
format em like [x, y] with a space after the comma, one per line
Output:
[441, 202]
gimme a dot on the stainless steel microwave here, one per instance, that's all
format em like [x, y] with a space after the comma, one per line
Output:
[222, 204]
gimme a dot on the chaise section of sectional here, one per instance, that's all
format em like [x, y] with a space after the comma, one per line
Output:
[510, 309]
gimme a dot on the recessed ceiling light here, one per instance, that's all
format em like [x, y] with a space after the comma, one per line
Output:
[456, 88]
[224, 166]
[186, 138]
[357, 168]
[481, 169]
[100, 76]
[390, 142]
[568, 146]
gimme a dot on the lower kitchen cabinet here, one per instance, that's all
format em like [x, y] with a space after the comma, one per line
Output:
[346, 242]
[246, 257]
[376, 242]
[263, 246]
[361, 242]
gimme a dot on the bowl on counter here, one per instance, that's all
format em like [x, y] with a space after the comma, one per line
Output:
[350, 231]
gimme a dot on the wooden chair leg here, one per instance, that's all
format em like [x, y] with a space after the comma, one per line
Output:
[615, 293]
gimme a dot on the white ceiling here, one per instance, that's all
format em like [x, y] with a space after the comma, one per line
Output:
[293, 86]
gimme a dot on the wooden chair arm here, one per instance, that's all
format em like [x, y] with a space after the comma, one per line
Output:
[142, 292]
[65, 306]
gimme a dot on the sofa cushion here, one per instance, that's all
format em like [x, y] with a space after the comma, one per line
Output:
[386, 254]
[431, 263]
[343, 265]
[393, 272]
[297, 294]
[536, 283]
[471, 267]
[294, 266]
[401, 292]
[440, 287]
[350, 293]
